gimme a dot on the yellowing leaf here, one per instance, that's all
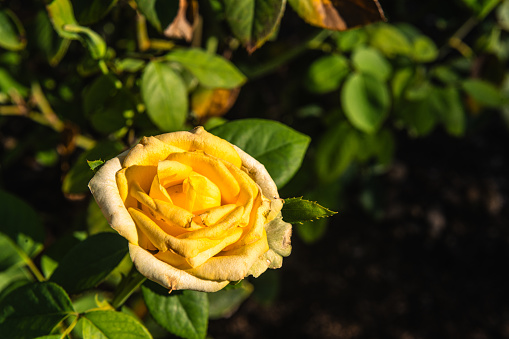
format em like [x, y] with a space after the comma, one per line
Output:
[338, 15]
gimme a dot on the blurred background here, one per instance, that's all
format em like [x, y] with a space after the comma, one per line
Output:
[419, 177]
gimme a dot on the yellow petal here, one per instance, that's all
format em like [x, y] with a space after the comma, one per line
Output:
[219, 229]
[212, 216]
[231, 265]
[149, 152]
[188, 248]
[123, 188]
[142, 175]
[201, 193]
[200, 139]
[168, 276]
[173, 259]
[232, 236]
[157, 191]
[214, 170]
[172, 172]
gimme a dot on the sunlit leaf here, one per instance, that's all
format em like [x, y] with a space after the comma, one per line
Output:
[165, 96]
[253, 21]
[211, 70]
[112, 325]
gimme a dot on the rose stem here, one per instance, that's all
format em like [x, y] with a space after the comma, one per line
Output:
[126, 287]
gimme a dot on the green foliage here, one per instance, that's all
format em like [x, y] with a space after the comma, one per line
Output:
[298, 210]
[212, 71]
[89, 262]
[33, 310]
[182, 313]
[165, 96]
[112, 325]
[319, 109]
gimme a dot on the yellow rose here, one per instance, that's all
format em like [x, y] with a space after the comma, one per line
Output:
[198, 212]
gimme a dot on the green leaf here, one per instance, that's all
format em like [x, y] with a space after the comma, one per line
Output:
[112, 325]
[424, 49]
[182, 313]
[326, 73]
[91, 11]
[47, 40]
[90, 262]
[11, 31]
[370, 61]
[77, 178]
[277, 146]
[298, 210]
[366, 101]
[93, 41]
[21, 224]
[503, 15]
[9, 255]
[33, 310]
[483, 92]
[57, 251]
[94, 164]
[223, 303]
[335, 152]
[211, 70]
[253, 21]
[350, 39]
[390, 40]
[159, 13]
[165, 96]
[64, 22]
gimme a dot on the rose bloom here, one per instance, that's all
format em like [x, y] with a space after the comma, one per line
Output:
[198, 212]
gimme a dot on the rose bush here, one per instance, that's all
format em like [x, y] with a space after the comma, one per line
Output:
[198, 212]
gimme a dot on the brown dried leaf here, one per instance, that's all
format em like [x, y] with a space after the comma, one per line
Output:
[338, 15]
[184, 24]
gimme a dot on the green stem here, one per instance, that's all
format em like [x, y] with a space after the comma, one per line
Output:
[126, 287]
[70, 328]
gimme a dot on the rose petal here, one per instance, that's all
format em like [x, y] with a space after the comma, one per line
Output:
[232, 265]
[105, 190]
[200, 139]
[168, 276]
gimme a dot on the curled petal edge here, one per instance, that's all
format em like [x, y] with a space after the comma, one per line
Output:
[105, 191]
[169, 276]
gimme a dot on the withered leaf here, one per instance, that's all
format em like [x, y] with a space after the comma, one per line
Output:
[338, 15]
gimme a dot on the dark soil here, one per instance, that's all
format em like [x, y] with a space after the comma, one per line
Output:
[430, 266]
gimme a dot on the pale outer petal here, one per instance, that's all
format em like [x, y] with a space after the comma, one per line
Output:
[105, 191]
[168, 276]
[259, 174]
